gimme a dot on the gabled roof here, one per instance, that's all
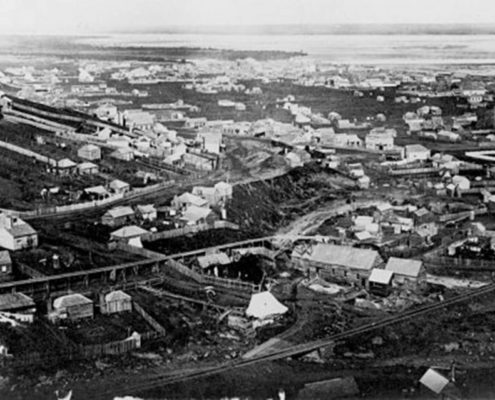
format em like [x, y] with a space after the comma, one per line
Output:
[194, 213]
[117, 295]
[118, 212]
[330, 254]
[146, 208]
[97, 190]
[404, 266]
[11, 301]
[66, 163]
[129, 232]
[118, 184]
[21, 229]
[87, 165]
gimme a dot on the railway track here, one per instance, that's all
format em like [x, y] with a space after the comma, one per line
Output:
[179, 376]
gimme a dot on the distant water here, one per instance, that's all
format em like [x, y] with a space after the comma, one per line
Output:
[359, 49]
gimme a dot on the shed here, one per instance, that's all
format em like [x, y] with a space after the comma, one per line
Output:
[87, 168]
[208, 260]
[147, 212]
[434, 381]
[73, 306]
[116, 302]
[380, 281]
[117, 216]
[406, 271]
[119, 186]
[264, 305]
[89, 152]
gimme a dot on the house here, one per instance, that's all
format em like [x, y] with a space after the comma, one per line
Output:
[72, 307]
[18, 303]
[147, 212]
[294, 160]
[15, 234]
[116, 302]
[264, 305]
[213, 259]
[201, 161]
[380, 282]
[407, 272]
[89, 152]
[137, 119]
[416, 152]
[87, 168]
[117, 216]
[5, 265]
[380, 139]
[188, 199]
[123, 154]
[364, 182]
[194, 215]
[65, 167]
[118, 186]
[339, 263]
[422, 215]
[129, 234]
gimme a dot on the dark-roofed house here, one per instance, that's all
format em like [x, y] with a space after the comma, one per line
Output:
[15, 234]
[5, 265]
[338, 263]
[407, 272]
[117, 216]
[18, 303]
[72, 306]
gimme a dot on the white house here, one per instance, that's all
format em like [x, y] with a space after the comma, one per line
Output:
[416, 152]
[15, 234]
[380, 139]
[89, 152]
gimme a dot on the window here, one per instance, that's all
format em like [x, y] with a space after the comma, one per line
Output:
[4, 269]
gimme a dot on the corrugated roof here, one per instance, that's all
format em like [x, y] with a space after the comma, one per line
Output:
[345, 256]
[213, 259]
[380, 276]
[11, 301]
[404, 266]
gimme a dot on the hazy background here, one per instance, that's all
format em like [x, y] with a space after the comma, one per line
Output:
[103, 16]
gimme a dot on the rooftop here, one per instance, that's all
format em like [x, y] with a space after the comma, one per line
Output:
[404, 266]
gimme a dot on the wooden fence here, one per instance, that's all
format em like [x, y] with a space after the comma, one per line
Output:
[189, 230]
[149, 319]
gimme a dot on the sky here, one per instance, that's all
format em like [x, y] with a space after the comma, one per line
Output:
[103, 16]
